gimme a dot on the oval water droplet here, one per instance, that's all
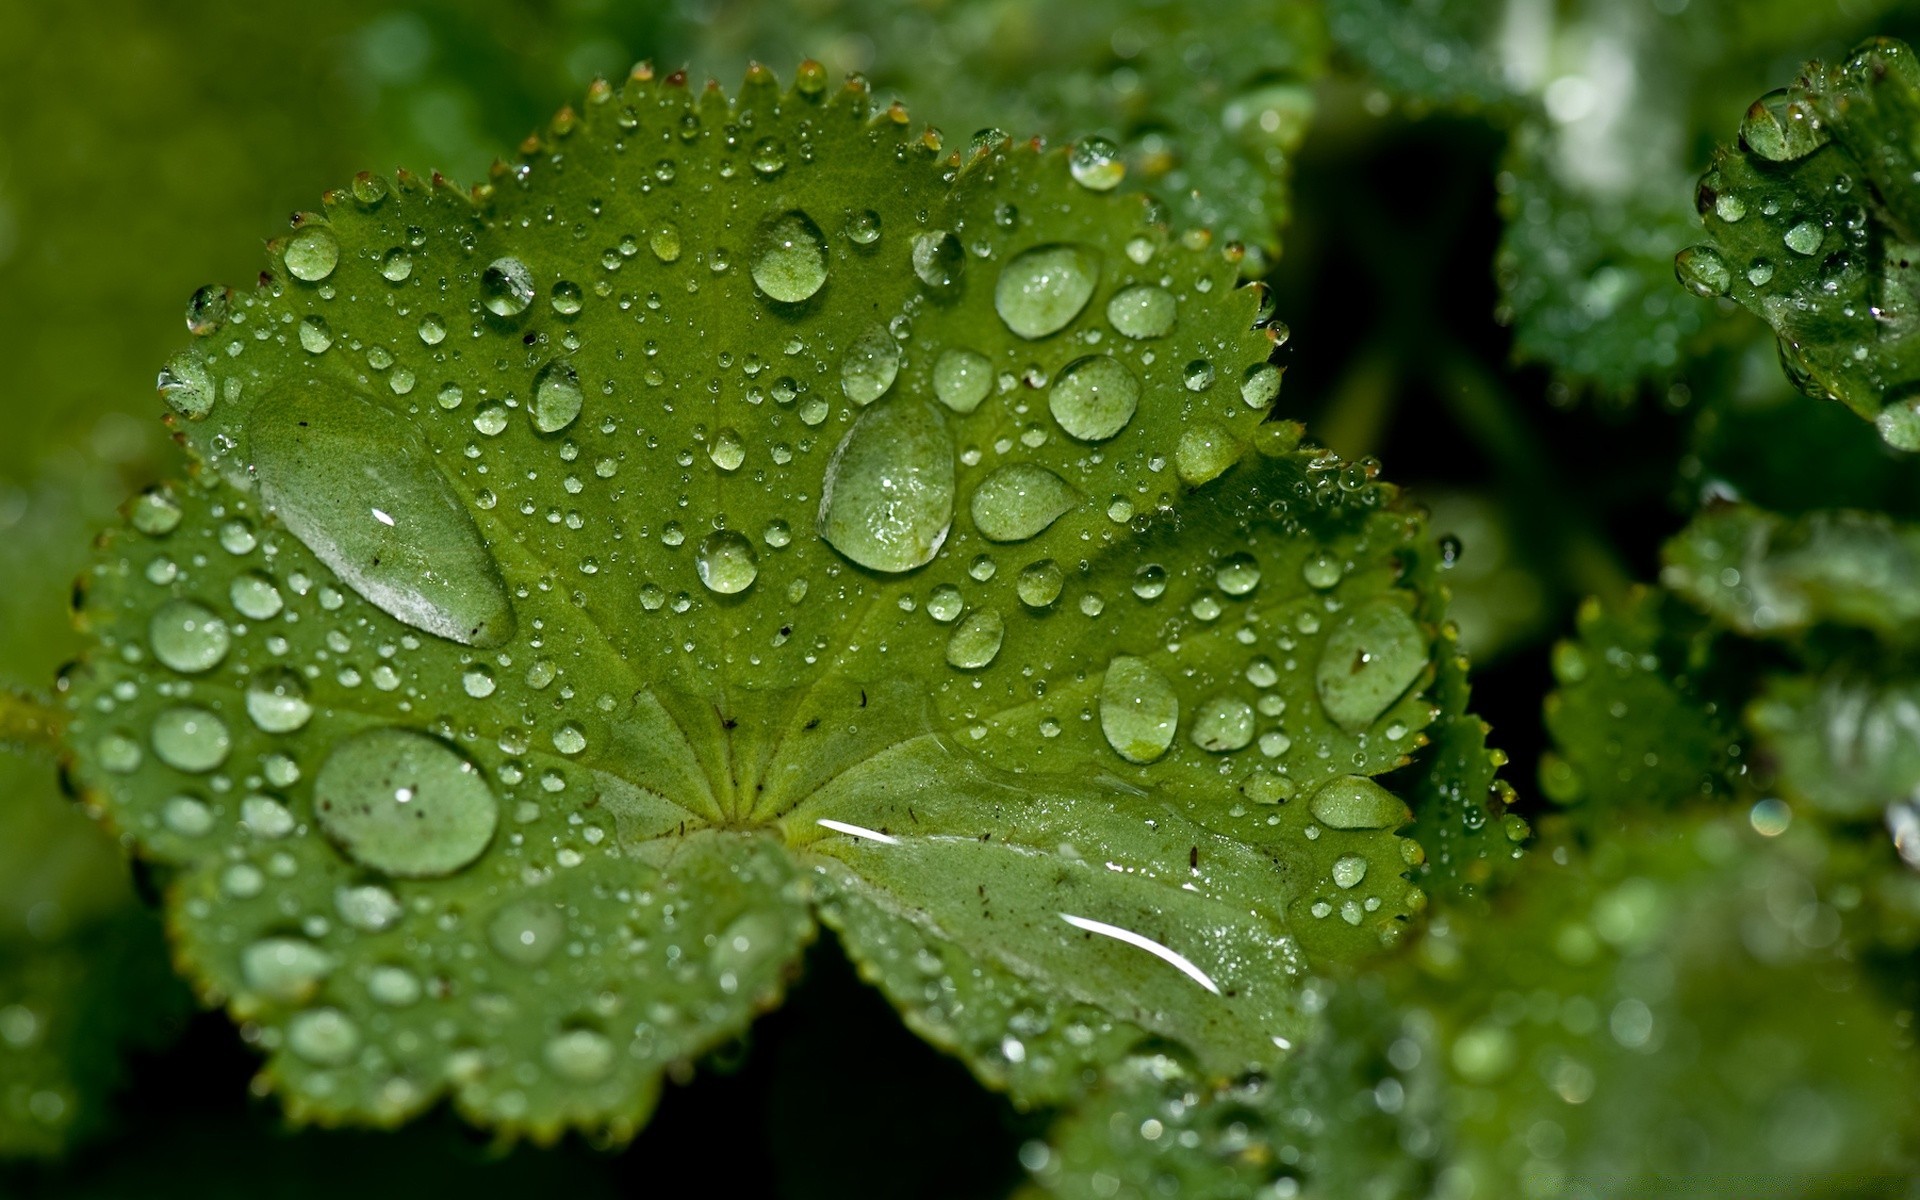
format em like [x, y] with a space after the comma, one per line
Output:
[1369, 660]
[938, 258]
[1356, 802]
[1039, 583]
[726, 562]
[1094, 397]
[1205, 450]
[886, 502]
[506, 287]
[1020, 500]
[580, 1055]
[359, 488]
[187, 637]
[189, 738]
[790, 258]
[1222, 724]
[872, 362]
[368, 907]
[961, 379]
[557, 398]
[975, 642]
[1041, 290]
[312, 253]
[1349, 870]
[404, 803]
[325, 1037]
[285, 969]
[277, 700]
[1096, 165]
[664, 241]
[1139, 710]
[526, 932]
[1142, 311]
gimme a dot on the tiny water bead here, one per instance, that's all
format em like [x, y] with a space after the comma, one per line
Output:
[404, 804]
[871, 364]
[1096, 165]
[396, 265]
[312, 253]
[1094, 397]
[1370, 659]
[887, 498]
[1142, 311]
[1139, 710]
[557, 398]
[191, 739]
[962, 379]
[1357, 802]
[975, 642]
[506, 287]
[1041, 290]
[1018, 501]
[726, 562]
[187, 636]
[789, 258]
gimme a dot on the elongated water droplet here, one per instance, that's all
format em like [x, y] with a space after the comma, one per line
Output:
[961, 379]
[404, 803]
[1139, 710]
[726, 562]
[187, 636]
[1094, 397]
[975, 642]
[359, 488]
[872, 362]
[557, 398]
[1043, 289]
[1356, 802]
[887, 500]
[1369, 660]
[1020, 500]
[790, 258]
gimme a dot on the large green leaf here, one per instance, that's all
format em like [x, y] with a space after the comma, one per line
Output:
[742, 512]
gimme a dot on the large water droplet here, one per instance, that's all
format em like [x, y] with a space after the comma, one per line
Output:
[1042, 289]
[1020, 500]
[1142, 311]
[404, 803]
[975, 642]
[1094, 397]
[1138, 709]
[726, 562]
[187, 637]
[557, 398]
[790, 258]
[359, 487]
[312, 253]
[1356, 802]
[1223, 724]
[277, 700]
[1779, 128]
[1369, 660]
[190, 739]
[872, 362]
[887, 499]
[506, 287]
[961, 379]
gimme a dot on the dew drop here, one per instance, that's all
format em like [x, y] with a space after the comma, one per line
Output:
[1349, 870]
[938, 258]
[325, 1037]
[872, 362]
[961, 379]
[1142, 311]
[312, 253]
[1041, 290]
[316, 336]
[727, 449]
[187, 637]
[189, 738]
[1205, 450]
[1094, 397]
[1237, 574]
[285, 969]
[506, 287]
[557, 398]
[187, 816]
[1322, 570]
[580, 1055]
[367, 907]
[665, 242]
[403, 803]
[726, 562]
[1096, 165]
[1260, 387]
[1039, 583]
[790, 258]
[1356, 802]
[945, 603]
[526, 932]
[1222, 724]
[975, 642]
[1369, 660]
[1139, 710]
[886, 502]
[1020, 500]
[863, 228]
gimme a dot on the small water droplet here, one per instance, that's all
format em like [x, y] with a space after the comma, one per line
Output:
[1205, 450]
[1142, 311]
[863, 227]
[187, 637]
[325, 1037]
[316, 336]
[872, 362]
[726, 562]
[403, 803]
[1322, 570]
[557, 398]
[1222, 724]
[790, 258]
[367, 907]
[1139, 710]
[397, 265]
[664, 241]
[1042, 289]
[581, 1055]
[506, 287]
[1703, 272]
[189, 738]
[526, 932]
[961, 379]
[1096, 165]
[1237, 574]
[1039, 583]
[1094, 397]
[1349, 870]
[312, 253]
[975, 642]
[1804, 238]
[938, 258]
[285, 969]
[727, 449]
[566, 298]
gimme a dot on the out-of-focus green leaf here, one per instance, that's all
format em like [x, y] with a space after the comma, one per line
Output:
[1845, 745]
[744, 511]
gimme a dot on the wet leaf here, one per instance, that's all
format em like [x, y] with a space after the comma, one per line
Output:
[587, 585]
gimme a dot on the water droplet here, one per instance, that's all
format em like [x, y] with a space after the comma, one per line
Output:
[1094, 397]
[187, 387]
[187, 816]
[367, 907]
[1020, 500]
[1041, 290]
[580, 1055]
[566, 298]
[769, 156]
[187, 637]
[527, 932]
[887, 500]
[863, 228]
[1369, 660]
[404, 803]
[1096, 165]
[1702, 271]
[569, 738]
[945, 603]
[393, 987]
[665, 242]
[961, 379]
[1899, 424]
[156, 513]
[975, 642]
[312, 253]
[1779, 128]
[1322, 570]
[506, 287]
[938, 258]
[1197, 375]
[316, 336]
[490, 418]
[1760, 273]
[1222, 724]
[1804, 238]
[285, 969]
[397, 265]
[190, 739]
[790, 258]
[325, 1037]
[207, 309]
[1150, 581]
[1142, 311]
[1205, 450]
[266, 817]
[477, 681]
[1039, 583]
[872, 362]
[1237, 574]
[726, 562]
[727, 449]
[1260, 387]
[1356, 802]
[360, 489]
[1138, 709]
[557, 398]
[118, 753]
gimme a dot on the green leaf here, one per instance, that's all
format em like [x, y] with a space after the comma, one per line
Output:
[1207, 109]
[741, 514]
[1812, 228]
[1768, 576]
[1843, 744]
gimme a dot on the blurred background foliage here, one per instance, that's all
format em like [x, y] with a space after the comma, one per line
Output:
[1468, 213]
